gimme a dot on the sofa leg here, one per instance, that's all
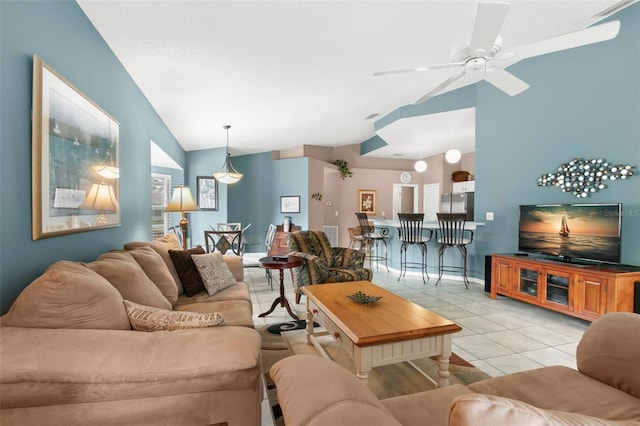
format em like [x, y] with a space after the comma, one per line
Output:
[298, 297]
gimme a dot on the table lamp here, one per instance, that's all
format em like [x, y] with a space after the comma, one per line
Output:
[101, 197]
[182, 201]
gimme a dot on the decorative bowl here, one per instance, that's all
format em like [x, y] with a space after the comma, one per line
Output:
[363, 298]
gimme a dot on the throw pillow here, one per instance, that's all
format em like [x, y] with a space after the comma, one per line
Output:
[68, 295]
[157, 271]
[147, 318]
[123, 272]
[189, 275]
[214, 272]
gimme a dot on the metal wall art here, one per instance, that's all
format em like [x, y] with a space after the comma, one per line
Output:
[582, 177]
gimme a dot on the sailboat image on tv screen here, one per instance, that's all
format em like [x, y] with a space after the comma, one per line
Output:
[564, 227]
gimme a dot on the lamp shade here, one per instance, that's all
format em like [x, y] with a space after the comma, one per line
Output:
[107, 172]
[101, 197]
[182, 200]
[227, 174]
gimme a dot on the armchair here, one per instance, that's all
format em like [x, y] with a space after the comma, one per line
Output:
[323, 263]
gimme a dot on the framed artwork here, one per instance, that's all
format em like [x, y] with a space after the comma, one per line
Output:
[367, 201]
[290, 204]
[75, 159]
[207, 192]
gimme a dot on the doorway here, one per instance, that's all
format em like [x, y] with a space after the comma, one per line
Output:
[405, 199]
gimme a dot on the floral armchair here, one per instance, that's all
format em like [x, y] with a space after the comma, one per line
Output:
[323, 263]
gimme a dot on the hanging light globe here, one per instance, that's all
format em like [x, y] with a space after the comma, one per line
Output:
[453, 156]
[420, 166]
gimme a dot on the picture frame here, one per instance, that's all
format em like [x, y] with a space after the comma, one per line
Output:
[290, 204]
[368, 201]
[75, 185]
[207, 192]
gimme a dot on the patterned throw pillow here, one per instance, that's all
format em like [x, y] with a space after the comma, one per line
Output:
[214, 272]
[147, 318]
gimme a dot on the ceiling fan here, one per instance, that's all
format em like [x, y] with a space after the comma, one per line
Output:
[485, 59]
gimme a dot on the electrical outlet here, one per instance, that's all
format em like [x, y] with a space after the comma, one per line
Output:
[336, 212]
[489, 215]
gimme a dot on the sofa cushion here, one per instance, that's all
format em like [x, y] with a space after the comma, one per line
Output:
[123, 272]
[235, 312]
[147, 318]
[189, 275]
[478, 409]
[214, 272]
[162, 247]
[68, 295]
[157, 271]
[114, 365]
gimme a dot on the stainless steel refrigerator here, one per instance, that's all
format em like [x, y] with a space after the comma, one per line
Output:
[457, 203]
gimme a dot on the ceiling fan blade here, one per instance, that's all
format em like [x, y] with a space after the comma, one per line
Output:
[474, 77]
[489, 19]
[505, 81]
[419, 69]
[590, 35]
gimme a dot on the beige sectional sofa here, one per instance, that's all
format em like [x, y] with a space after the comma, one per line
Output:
[604, 390]
[68, 354]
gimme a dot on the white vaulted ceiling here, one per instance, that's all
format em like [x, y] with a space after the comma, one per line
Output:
[287, 73]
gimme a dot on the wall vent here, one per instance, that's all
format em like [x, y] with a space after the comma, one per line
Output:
[332, 234]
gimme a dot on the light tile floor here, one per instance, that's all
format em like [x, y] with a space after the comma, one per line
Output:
[499, 336]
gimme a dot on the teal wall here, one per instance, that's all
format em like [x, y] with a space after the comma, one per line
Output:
[583, 102]
[62, 36]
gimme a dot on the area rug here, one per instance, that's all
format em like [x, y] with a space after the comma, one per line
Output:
[385, 381]
[390, 380]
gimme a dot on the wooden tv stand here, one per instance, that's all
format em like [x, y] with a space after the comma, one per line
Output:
[583, 291]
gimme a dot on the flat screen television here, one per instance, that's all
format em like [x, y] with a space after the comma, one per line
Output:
[571, 231]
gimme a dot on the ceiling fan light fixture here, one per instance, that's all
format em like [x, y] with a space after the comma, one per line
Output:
[420, 166]
[453, 156]
[227, 174]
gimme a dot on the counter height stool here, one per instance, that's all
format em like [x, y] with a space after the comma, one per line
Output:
[412, 234]
[372, 240]
[452, 233]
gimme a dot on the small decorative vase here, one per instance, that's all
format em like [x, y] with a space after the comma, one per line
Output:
[286, 226]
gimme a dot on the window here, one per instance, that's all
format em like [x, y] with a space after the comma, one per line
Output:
[160, 193]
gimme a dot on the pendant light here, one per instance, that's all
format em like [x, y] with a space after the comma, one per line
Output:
[227, 174]
[453, 156]
[420, 166]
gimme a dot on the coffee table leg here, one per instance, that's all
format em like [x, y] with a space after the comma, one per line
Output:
[443, 362]
[309, 323]
[362, 358]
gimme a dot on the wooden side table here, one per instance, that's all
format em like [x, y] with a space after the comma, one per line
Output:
[270, 262]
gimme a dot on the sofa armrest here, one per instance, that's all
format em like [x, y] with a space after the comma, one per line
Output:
[316, 391]
[234, 263]
[609, 351]
[344, 257]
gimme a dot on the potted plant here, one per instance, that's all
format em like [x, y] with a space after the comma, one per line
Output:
[343, 167]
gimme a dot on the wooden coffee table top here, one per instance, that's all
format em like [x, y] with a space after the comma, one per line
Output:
[390, 319]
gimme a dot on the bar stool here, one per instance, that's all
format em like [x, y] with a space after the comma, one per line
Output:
[452, 233]
[371, 240]
[411, 234]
